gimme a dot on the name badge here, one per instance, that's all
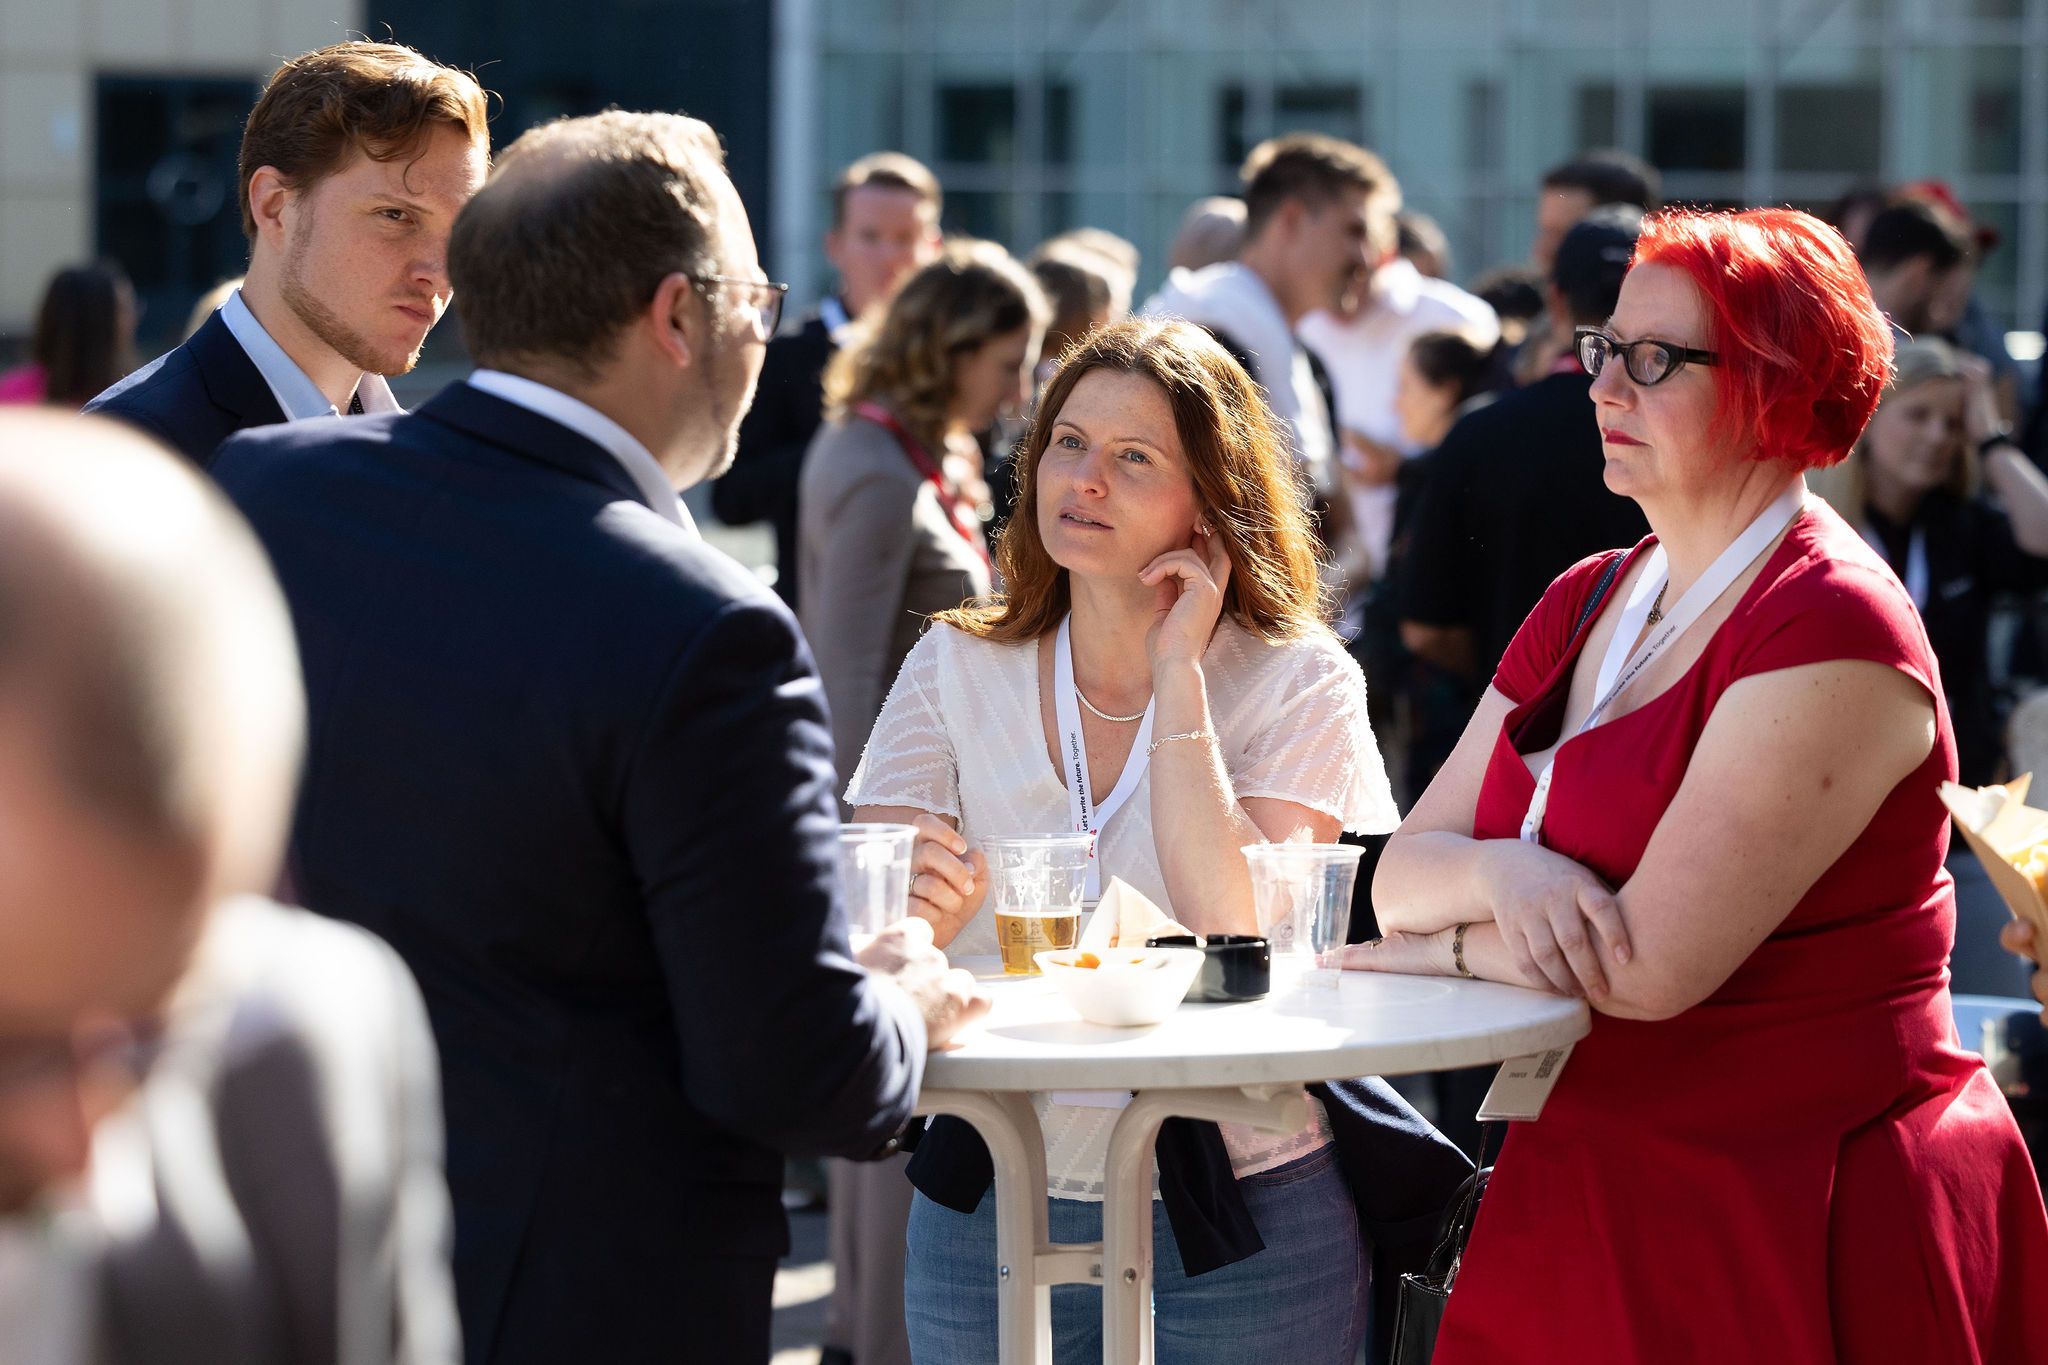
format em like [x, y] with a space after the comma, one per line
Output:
[1522, 1086]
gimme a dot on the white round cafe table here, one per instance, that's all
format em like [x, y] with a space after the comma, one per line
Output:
[1242, 1063]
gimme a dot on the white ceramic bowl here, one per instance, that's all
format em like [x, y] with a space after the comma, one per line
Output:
[1132, 987]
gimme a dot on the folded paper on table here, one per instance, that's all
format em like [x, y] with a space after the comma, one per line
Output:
[2010, 838]
[1124, 918]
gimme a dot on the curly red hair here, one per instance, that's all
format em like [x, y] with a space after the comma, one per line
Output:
[1805, 353]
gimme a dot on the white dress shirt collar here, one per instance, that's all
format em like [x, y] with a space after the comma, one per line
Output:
[296, 394]
[587, 422]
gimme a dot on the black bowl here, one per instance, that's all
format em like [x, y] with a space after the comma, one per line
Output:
[1234, 966]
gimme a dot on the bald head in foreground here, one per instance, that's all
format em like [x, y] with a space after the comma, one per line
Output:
[178, 1056]
[574, 765]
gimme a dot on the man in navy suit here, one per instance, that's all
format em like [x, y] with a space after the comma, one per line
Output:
[353, 166]
[574, 765]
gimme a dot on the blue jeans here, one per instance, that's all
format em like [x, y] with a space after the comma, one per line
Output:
[1302, 1300]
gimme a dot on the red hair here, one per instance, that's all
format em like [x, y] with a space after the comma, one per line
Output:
[1805, 353]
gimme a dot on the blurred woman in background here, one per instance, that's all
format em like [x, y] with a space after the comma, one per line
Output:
[889, 507]
[84, 338]
[1916, 486]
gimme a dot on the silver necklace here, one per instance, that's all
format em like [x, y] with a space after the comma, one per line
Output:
[1120, 720]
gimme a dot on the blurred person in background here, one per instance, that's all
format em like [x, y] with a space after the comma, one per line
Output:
[1852, 212]
[1911, 251]
[1515, 494]
[220, 1128]
[1958, 312]
[1210, 232]
[890, 537]
[84, 338]
[891, 532]
[353, 165]
[205, 305]
[551, 717]
[1445, 377]
[1959, 512]
[1119, 254]
[1363, 339]
[1423, 245]
[1721, 828]
[1568, 193]
[1083, 291]
[885, 224]
[1920, 487]
[1318, 220]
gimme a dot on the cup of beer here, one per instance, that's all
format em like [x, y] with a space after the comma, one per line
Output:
[874, 874]
[1035, 887]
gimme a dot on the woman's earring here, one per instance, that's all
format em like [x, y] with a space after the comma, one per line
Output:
[1202, 528]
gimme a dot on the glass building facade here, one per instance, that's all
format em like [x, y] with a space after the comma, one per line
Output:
[1041, 115]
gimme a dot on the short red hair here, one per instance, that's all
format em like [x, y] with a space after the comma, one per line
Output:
[1805, 353]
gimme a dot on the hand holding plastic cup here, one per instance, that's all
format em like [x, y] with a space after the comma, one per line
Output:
[1303, 896]
[874, 875]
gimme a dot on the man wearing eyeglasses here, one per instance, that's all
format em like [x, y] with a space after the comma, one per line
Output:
[219, 1126]
[574, 765]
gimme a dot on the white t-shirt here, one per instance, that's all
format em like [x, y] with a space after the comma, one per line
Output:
[961, 736]
[1363, 355]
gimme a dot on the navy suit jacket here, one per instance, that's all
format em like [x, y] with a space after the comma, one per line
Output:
[574, 765]
[196, 396]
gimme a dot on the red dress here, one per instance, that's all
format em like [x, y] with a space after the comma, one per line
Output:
[1804, 1167]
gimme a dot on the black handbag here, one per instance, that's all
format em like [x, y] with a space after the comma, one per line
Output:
[1419, 1310]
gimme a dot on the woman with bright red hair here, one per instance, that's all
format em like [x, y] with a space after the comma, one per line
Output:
[1702, 794]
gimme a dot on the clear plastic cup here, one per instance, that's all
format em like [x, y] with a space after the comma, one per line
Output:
[874, 875]
[1303, 896]
[1035, 885]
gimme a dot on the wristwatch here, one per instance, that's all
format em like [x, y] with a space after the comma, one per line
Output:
[2001, 436]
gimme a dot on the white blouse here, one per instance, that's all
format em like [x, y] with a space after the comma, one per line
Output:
[961, 736]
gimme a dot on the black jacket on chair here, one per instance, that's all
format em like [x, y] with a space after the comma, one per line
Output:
[195, 396]
[573, 764]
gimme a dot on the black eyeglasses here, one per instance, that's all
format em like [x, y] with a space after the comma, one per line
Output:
[1647, 362]
[766, 307]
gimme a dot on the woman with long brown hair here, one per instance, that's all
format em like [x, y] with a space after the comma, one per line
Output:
[1162, 617]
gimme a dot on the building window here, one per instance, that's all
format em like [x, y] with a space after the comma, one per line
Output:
[1830, 128]
[1697, 128]
[1336, 108]
[165, 201]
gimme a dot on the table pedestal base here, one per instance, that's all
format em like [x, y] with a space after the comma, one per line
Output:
[1028, 1264]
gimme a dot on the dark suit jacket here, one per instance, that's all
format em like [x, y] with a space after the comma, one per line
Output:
[574, 765]
[788, 408]
[196, 396]
[289, 1144]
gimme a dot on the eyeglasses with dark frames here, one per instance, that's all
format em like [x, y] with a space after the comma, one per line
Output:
[767, 312]
[1646, 361]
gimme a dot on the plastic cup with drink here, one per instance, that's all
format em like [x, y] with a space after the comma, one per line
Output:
[1036, 883]
[1303, 896]
[874, 875]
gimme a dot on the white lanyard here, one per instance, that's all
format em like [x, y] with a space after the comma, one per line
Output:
[1916, 561]
[1619, 668]
[1086, 817]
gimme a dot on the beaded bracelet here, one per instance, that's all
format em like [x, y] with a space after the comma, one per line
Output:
[1153, 748]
